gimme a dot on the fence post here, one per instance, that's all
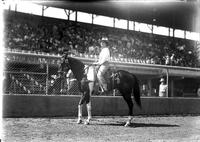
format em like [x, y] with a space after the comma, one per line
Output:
[47, 78]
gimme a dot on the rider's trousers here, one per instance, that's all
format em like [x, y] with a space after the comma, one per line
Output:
[100, 75]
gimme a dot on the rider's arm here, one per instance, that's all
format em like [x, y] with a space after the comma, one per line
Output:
[68, 73]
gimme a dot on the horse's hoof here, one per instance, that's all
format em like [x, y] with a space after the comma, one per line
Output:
[79, 121]
[87, 122]
[127, 124]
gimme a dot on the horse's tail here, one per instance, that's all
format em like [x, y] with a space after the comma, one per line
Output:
[136, 92]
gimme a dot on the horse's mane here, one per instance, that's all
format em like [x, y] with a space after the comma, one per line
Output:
[77, 68]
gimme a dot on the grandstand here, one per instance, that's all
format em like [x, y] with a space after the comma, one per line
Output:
[34, 44]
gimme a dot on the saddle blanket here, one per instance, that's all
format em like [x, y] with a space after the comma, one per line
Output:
[91, 73]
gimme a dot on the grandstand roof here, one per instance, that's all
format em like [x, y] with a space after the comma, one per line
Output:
[178, 15]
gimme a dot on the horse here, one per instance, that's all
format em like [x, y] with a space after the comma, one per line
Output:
[126, 82]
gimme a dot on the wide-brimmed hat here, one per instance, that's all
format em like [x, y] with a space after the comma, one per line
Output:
[162, 80]
[104, 39]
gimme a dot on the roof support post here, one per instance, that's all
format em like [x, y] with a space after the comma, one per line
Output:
[114, 22]
[92, 18]
[76, 16]
[43, 9]
[167, 74]
[67, 12]
[127, 24]
[134, 25]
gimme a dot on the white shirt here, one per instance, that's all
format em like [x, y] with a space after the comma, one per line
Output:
[198, 92]
[104, 55]
[162, 89]
[70, 76]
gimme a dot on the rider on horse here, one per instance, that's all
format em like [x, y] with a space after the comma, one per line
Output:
[103, 64]
[126, 82]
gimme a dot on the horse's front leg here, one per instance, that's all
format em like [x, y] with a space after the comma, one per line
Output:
[80, 107]
[79, 121]
[88, 102]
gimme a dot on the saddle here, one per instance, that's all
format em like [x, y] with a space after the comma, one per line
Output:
[91, 74]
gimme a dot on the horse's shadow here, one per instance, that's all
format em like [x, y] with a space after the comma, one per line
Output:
[135, 125]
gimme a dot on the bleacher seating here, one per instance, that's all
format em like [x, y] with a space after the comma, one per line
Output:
[38, 85]
[48, 35]
[25, 84]
[18, 84]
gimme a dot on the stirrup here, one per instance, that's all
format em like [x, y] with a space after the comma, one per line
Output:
[104, 92]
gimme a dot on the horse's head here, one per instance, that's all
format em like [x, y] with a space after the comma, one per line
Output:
[64, 64]
[74, 64]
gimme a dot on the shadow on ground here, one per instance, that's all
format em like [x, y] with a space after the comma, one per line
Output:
[134, 125]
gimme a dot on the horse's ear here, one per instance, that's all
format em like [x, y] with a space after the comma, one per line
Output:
[66, 54]
[117, 78]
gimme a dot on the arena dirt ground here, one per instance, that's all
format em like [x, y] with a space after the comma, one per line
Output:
[102, 129]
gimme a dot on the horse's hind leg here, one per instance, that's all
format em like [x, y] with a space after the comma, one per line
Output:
[129, 101]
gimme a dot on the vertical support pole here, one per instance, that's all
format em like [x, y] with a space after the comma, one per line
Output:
[127, 24]
[9, 7]
[134, 25]
[167, 92]
[47, 78]
[76, 16]
[168, 31]
[113, 22]
[172, 88]
[149, 87]
[173, 32]
[15, 7]
[113, 82]
[66, 12]
[43, 10]
[92, 18]
[184, 34]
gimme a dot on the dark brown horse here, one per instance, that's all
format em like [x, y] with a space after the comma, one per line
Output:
[124, 81]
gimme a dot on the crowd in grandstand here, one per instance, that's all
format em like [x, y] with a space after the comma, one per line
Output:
[40, 34]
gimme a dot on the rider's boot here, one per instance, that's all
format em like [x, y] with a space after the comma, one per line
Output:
[104, 89]
[89, 113]
[79, 121]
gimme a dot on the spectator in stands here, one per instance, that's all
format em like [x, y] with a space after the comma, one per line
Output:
[162, 88]
[198, 91]
[167, 60]
[103, 63]
[72, 83]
